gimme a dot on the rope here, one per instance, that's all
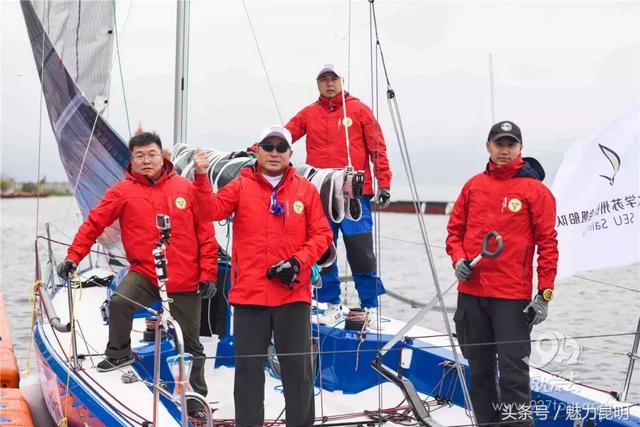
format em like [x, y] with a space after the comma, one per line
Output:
[185, 105]
[377, 215]
[264, 66]
[124, 95]
[76, 279]
[427, 346]
[346, 123]
[32, 301]
[400, 136]
[44, 4]
[606, 283]
[92, 251]
[315, 291]
[349, 50]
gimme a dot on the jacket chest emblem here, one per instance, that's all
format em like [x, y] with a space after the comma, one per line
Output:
[514, 205]
[298, 207]
[181, 203]
[346, 122]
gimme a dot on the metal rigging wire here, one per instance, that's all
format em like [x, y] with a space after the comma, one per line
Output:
[400, 136]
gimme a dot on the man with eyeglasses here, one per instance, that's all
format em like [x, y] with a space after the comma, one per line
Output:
[151, 187]
[342, 131]
[279, 232]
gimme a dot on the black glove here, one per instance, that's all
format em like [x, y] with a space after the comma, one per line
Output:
[537, 309]
[66, 267]
[287, 270]
[463, 269]
[383, 197]
[207, 289]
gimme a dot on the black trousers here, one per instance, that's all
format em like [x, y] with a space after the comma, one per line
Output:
[185, 309]
[252, 328]
[500, 388]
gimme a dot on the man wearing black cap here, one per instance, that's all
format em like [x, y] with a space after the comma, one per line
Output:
[495, 311]
[342, 131]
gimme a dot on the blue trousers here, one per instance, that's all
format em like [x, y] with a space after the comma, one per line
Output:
[358, 240]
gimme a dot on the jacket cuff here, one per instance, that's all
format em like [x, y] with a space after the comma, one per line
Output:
[384, 183]
[545, 285]
[456, 256]
[207, 278]
[73, 258]
[302, 261]
[201, 182]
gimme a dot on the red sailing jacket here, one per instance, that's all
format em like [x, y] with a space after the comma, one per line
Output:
[322, 122]
[261, 239]
[511, 200]
[192, 253]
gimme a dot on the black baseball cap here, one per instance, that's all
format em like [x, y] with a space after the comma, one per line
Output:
[505, 129]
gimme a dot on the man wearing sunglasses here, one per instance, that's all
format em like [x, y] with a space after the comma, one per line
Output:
[334, 124]
[279, 232]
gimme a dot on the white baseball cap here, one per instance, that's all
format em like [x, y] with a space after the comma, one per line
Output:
[329, 68]
[275, 130]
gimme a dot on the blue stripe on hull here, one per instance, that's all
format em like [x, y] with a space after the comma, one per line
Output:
[85, 406]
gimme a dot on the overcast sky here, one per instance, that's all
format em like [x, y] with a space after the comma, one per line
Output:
[562, 71]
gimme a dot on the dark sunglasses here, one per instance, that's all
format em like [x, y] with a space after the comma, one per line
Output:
[282, 147]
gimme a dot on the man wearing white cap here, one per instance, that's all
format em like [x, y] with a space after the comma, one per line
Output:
[279, 232]
[341, 131]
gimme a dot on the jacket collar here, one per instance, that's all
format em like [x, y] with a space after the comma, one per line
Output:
[167, 172]
[505, 171]
[332, 104]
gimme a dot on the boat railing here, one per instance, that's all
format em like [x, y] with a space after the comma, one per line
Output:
[632, 361]
[54, 319]
[182, 381]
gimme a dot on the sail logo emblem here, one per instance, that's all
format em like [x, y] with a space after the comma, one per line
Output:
[514, 205]
[298, 207]
[181, 203]
[614, 160]
[506, 126]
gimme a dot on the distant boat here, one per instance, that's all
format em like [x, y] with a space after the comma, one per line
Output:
[408, 206]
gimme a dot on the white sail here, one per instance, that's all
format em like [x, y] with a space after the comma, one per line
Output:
[597, 189]
[82, 33]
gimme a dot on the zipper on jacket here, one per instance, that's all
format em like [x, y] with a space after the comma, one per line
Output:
[524, 263]
[504, 204]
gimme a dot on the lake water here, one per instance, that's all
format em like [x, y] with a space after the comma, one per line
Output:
[599, 303]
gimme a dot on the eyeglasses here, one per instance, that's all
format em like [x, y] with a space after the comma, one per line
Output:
[282, 147]
[151, 156]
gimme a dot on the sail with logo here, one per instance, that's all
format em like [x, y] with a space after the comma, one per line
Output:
[597, 188]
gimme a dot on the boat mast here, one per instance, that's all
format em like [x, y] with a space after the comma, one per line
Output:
[182, 52]
[493, 107]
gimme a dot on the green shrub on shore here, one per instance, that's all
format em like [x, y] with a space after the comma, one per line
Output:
[8, 185]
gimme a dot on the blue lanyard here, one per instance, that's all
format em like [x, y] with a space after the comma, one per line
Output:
[276, 208]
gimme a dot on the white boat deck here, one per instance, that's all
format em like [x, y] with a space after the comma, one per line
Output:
[135, 400]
